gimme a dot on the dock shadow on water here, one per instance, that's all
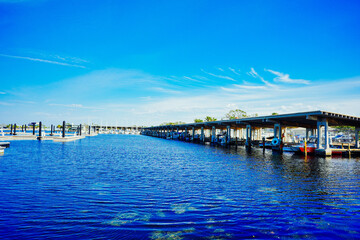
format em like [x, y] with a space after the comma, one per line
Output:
[137, 187]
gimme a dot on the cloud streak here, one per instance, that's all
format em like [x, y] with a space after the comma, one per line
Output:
[43, 60]
[219, 76]
[254, 74]
[281, 77]
[234, 71]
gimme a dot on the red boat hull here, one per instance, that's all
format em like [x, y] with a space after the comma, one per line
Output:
[309, 149]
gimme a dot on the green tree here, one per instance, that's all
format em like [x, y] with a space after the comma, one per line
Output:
[172, 123]
[197, 120]
[235, 114]
[274, 113]
[210, 119]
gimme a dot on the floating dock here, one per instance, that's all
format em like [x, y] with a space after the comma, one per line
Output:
[59, 136]
[4, 144]
[316, 123]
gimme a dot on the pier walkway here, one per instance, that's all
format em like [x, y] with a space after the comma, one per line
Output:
[248, 131]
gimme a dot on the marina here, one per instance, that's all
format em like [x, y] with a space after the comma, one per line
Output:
[179, 120]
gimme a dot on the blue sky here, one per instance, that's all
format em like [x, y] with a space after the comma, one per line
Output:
[148, 62]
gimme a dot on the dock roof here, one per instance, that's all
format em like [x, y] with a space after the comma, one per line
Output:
[300, 119]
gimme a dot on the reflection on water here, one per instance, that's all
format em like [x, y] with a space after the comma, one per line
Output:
[131, 187]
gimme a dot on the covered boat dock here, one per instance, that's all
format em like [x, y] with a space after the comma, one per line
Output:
[249, 130]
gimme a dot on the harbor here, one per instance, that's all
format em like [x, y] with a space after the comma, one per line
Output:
[248, 132]
[179, 120]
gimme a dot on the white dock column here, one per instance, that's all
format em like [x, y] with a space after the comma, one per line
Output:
[308, 132]
[213, 134]
[228, 134]
[248, 135]
[285, 135]
[319, 135]
[357, 130]
[277, 131]
[202, 135]
[320, 124]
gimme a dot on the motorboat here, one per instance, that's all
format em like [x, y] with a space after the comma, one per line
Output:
[311, 145]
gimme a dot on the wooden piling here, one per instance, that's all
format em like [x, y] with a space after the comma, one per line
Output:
[40, 128]
[63, 129]
[263, 141]
[14, 129]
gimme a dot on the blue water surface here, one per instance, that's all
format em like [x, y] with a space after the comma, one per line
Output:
[139, 187]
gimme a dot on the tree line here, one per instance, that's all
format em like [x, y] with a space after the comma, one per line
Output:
[231, 115]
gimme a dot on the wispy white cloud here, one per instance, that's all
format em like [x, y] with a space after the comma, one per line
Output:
[220, 69]
[234, 71]
[164, 90]
[201, 77]
[73, 105]
[192, 79]
[43, 60]
[2, 93]
[254, 74]
[6, 103]
[281, 77]
[236, 87]
[219, 76]
[250, 86]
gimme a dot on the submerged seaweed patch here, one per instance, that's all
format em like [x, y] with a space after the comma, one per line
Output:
[182, 208]
[126, 218]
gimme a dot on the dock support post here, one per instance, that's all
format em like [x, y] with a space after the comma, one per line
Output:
[236, 136]
[263, 142]
[63, 129]
[11, 129]
[228, 134]
[80, 130]
[248, 136]
[277, 131]
[34, 128]
[213, 134]
[89, 130]
[51, 130]
[40, 126]
[320, 149]
[22, 128]
[308, 132]
[193, 134]
[202, 135]
[278, 135]
[357, 130]
[14, 129]
[25, 128]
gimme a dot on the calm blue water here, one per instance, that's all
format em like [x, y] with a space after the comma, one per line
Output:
[138, 187]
